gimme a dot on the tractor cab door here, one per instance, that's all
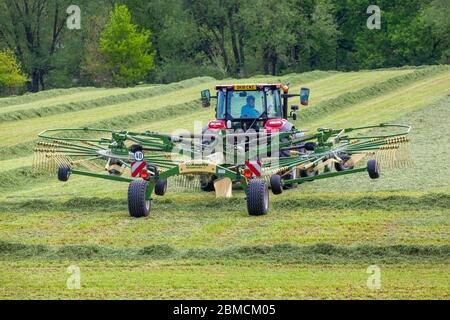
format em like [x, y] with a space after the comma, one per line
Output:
[274, 105]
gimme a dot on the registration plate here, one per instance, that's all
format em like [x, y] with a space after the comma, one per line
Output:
[245, 87]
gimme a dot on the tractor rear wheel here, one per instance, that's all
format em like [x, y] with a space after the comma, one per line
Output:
[343, 166]
[372, 169]
[161, 187]
[257, 197]
[275, 184]
[138, 205]
[63, 173]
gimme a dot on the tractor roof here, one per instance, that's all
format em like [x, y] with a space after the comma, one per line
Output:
[248, 86]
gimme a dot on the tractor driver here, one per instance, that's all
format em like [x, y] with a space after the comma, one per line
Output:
[249, 111]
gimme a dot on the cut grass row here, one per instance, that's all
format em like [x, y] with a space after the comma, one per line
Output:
[429, 125]
[311, 245]
[43, 95]
[26, 130]
[429, 149]
[118, 123]
[390, 106]
[422, 202]
[321, 253]
[101, 97]
[22, 111]
[334, 104]
[220, 279]
[113, 115]
[327, 104]
[201, 221]
[89, 101]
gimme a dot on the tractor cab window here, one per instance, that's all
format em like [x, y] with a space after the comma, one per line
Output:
[245, 104]
[273, 104]
[220, 110]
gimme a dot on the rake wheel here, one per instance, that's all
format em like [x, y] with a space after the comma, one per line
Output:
[342, 166]
[63, 173]
[372, 169]
[161, 187]
[275, 184]
[138, 205]
[257, 198]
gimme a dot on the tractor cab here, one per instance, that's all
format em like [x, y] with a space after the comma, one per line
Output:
[254, 106]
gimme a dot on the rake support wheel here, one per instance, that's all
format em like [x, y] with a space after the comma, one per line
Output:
[257, 198]
[342, 166]
[372, 169]
[63, 173]
[161, 187]
[275, 184]
[138, 205]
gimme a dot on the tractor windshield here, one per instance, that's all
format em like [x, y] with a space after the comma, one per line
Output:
[245, 104]
[250, 104]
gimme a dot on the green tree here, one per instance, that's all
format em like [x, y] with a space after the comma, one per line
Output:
[33, 30]
[129, 52]
[11, 76]
[269, 32]
[94, 68]
[436, 16]
[323, 35]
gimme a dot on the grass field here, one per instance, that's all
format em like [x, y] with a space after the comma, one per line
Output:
[316, 243]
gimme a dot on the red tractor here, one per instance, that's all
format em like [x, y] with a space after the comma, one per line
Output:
[258, 107]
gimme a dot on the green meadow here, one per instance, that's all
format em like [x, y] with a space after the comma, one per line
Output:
[317, 241]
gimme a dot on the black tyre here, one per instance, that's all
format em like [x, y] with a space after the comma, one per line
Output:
[308, 173]
[138, 206]
[207, 183]
[161, 187]
[292, 175]
[275, 184]
[63, 173]
[343, 166]
[372, 169]
[257, 198]
[136, 147]
[310, 146]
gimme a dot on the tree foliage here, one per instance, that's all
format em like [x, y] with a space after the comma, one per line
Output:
[128, 51]
[232, 38]
[11, 76]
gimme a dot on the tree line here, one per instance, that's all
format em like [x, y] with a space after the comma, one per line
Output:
[124, 42]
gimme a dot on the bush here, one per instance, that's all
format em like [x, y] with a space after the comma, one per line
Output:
[12, 78]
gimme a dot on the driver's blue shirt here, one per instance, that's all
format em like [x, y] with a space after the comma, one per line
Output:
[248, 111]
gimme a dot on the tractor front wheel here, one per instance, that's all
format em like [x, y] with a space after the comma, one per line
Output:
[257, 198]
[372, 169]
[138, 205]
[63, 173]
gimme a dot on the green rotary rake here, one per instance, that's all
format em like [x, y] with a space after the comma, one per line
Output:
[250, 145]
[253, 161]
